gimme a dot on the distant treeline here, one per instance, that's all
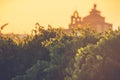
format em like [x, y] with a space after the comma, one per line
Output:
[54, 54]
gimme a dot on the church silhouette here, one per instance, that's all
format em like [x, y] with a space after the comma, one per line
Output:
[94, 19]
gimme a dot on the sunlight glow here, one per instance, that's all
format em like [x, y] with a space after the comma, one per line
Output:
[21, 15]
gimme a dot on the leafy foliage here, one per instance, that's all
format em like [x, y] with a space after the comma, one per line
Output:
[100, 61]
[53, 54]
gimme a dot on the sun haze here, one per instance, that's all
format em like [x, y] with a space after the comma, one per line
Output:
[21, 15]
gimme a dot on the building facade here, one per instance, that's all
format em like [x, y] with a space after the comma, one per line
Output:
[94, 19]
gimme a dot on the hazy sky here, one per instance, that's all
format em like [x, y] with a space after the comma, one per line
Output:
[23, 14]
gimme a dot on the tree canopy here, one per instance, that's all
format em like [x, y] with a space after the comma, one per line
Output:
[54, 54]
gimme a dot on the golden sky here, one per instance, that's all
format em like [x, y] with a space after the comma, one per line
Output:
[23, 14]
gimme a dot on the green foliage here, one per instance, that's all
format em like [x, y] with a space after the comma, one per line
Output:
[36, 72]
[53, 54]
[100, 61]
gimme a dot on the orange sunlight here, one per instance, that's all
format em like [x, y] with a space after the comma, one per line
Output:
[21, 15]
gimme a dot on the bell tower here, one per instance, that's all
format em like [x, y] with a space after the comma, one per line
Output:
[96, 21]
[75, 19]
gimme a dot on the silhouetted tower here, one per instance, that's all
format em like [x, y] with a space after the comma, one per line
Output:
[94, 19]
[75, 19]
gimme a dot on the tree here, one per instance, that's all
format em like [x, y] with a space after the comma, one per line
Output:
[99, 61]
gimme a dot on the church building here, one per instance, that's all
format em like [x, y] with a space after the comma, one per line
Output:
[94, 19]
